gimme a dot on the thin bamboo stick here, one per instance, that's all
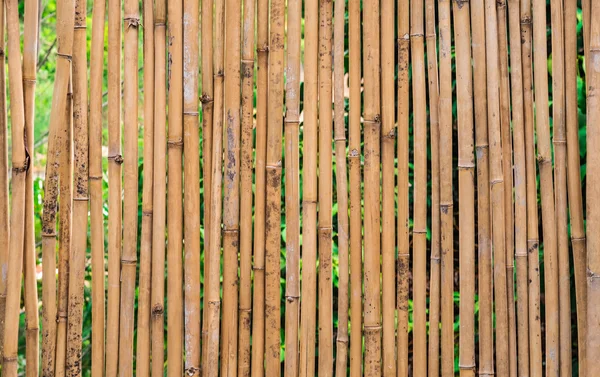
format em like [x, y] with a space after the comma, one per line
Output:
[191, 152]
[145, 274]
[292, 188]
[402, 269]
[519, 187]
[574, 178]
[95, 188]
[372, 129]
[4, 183]
[30, 49]
[80, 193]
[354, 162]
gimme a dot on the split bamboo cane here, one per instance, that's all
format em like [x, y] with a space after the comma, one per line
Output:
[4, 183]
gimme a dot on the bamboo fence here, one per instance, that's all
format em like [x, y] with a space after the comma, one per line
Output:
[324, 187]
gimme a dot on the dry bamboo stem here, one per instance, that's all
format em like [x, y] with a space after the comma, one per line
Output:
[466, 180]
[388, 140]
[174, 189]
[115, 187]
[231, 199]
[519, 187]
[486, 330]
[325, 228]
[273, 190]
[535, 336]
[574, 178]
[4, 181]
[258, 311]
[593, 260]
[191, 152]
[309, 204]
[157, 292]
[246, 161]
[354, 162]
[435, 284]
[446, 200]
[212, 303]
[402, 269]
[80, 193]
[497, 189]
[145, 275]
[30, 49]
[544, 159]
[372, 129]
[95, 188]
[560, 176]
[292, 188]
[20, 165]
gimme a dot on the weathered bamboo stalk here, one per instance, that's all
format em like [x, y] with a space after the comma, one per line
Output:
[4, 183]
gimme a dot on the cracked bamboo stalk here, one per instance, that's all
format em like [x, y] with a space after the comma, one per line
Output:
[4, 183]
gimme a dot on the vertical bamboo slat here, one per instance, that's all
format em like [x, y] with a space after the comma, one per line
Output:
[4, 184]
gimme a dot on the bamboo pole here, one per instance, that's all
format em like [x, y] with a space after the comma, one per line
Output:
[466, 187]
[191, 152]
[341, 365]
[435, 284]
[388, 226]
[95, 188]
[273, 190]
[212, 302]
[520, 188]
[309, 184]
[145, 274]
[535, 336]
[446, 200]
[292, 188]
[372, 129]
[80, 194]
[157, 290]
[174, 188]
[114, 186]
[544, 159]
[484, 242]
[20, 165]
[30, 49]
[354, 165]
[4, 183]
[231, 196]
[325, 228]
[402, 269]
[246, 162]
[574, 178]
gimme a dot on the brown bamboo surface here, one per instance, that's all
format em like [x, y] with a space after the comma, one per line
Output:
[385, 188]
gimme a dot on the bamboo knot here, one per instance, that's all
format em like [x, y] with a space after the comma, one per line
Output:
[543, 160]
[129, 262]
[255, 268]
[338, 139]
[247, 61]
[64, 56]
[430, 36]
[94, 177]
[354, 153]
[177, 143]
[29, 80]
[466, 166]
[191, 113]
[2, 53]
[342, 340]
[466, 367]
[80, 27]
[525, 21]
[157, 310]
[373, 328]
[578, 239]
[49, 235]
[460, 3]
[416, 231]
[501, 3]
[417, 35]
[291, 298]
[264, 48]
[147, 213]
[291, 121]
[559, 141]
[390, 135]
[593, 275]
[206, 99]
[191, 371]
[435, 260]
[81, 199]
[159, 24]
[10, 359]
[219, 75]
[132, 21]
[498, 181]
[62, 315]
[116, 158]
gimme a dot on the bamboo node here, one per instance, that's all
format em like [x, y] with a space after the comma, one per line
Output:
[95, 177]
[559, 141]
[247, 61]
[132, 21]
[526, 21]
[501, 3]
[417, 231]
[206, 99]
[80, 27]
[460, 3]
[542, 160]
[291, 298]
[592, 275]
[417, 35]
[129, 262]
[494, 182]
[64, 56]
[466, 367]
[175, 144]
[354, 153]
[291, 121]
[373, 328]
[191, 371]
[191, 113]
[430, 37]
[339, 139]
[147, 213]
[10, 359]
[390, 135]
[255, 268]
[466, 166]
[157, 310]
[116, 158]
[29, 79]
[578, 239]
[49, 235]
[81, 199]
[264, 48]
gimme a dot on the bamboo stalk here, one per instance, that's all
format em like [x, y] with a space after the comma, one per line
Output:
[388, 140]
[80, 194]
[114, 186]
[95, 188]
[157, 290]
[4, 183]
[520, 188]
[372, 129]
[466, 187]
[486, 329]
[30, 49]
[574, 178]
[292, 188]
[341, 366]
[535, 336]
[246, 161]
[402, 269]
[325, 226]
[544, 159]
[191, 152]
[309, 185]
[435, 284]
[231, 197]
[145, 274]
[273, 190]
[20, 165]
[354, 162]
